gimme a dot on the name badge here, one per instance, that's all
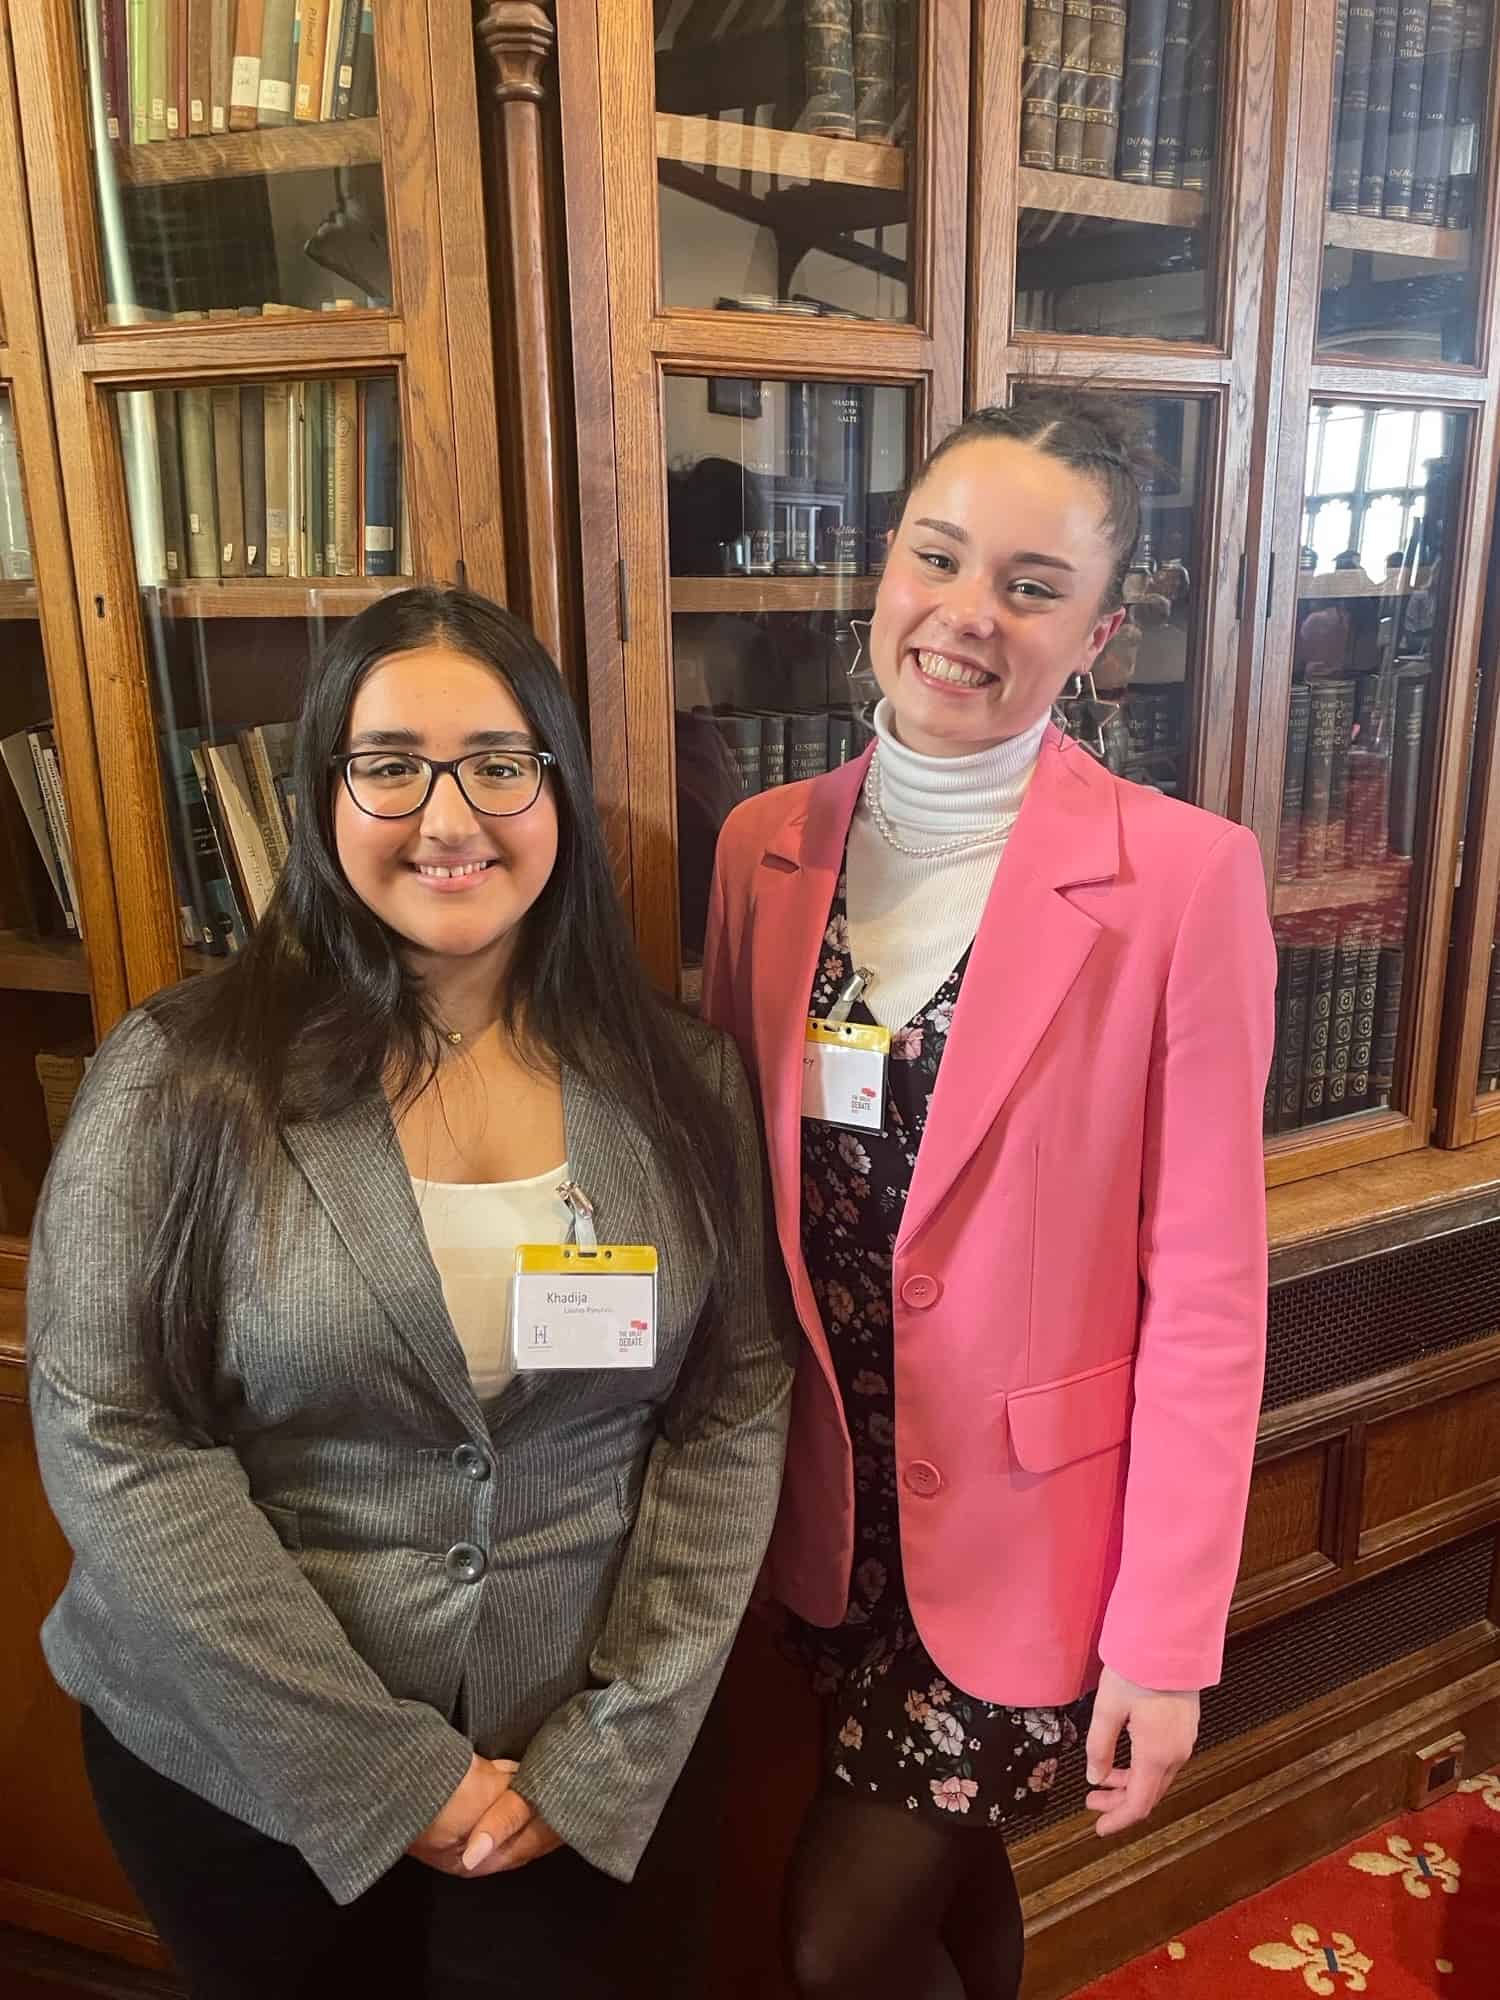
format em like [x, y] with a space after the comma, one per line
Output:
[844, 1074]
[583, 1308]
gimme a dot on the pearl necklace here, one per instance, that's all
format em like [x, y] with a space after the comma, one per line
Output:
[871, 793]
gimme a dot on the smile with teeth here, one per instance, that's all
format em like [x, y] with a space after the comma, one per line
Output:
[938, 667]
[440, 874]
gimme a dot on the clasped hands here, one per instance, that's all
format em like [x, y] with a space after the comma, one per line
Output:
[1163, 1729]
[486, 1827]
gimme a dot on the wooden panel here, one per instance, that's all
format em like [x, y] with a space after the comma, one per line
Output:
[1287, 1528]
[1365, 1209]
[772, 593]
[273, 149]
[42, 965]
[1115, 201]
[1397, 239]
[1439, 1463]
[759, 149]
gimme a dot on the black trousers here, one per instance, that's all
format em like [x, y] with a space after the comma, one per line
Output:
[245, 1917]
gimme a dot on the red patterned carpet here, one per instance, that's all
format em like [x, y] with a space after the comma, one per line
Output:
[1410, 1911]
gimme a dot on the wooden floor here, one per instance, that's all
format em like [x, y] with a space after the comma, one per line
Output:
[37, 1968]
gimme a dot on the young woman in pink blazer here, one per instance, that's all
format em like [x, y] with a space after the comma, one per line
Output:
[1032, 1279]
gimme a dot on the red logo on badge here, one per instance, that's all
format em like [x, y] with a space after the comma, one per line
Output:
[866, 1091]
[637, 1326]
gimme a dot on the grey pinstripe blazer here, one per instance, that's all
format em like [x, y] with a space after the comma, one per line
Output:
[310, 1623]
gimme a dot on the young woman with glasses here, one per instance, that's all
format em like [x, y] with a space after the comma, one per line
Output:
[390, 1648]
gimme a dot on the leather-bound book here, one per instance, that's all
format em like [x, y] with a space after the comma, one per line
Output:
[874, 69]
[1073, 84]
[1101, 101]
[1378, 110]
[1171, 112]
[828, 54]
[1429, 196]
[1468, 123]
[1145, 49]
[1203, 100]
[1406, 108]
[1349, 150]
[1041, 62]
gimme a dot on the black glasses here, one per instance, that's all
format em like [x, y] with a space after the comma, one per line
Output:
[393, 784]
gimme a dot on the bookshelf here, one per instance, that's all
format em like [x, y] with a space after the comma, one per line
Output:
[276, 149]
[1355, 888]
[1109, 200]
[33, 964]
[1382, 238]
[17, 600]
[772, 593]
[1334, 585]
[789, 156]
[255, 597]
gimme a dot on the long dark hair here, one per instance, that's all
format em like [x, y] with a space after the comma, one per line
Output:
[321, 1010]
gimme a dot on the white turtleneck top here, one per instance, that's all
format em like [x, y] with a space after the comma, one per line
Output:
[911, 918]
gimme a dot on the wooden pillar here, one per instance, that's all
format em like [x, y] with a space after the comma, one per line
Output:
[518, 37]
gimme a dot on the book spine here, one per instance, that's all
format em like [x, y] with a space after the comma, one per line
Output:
[346, 478]
[1171, 111]
[228, 486]
[1341, 1021]
[381, 460]
[275, 90]
[1144, 53]
[181, 96]
[1349, 154]
[874, 69]
[849, 423]
[54, 801]
[1291, 1039]
[114, 71]
[1489, 1048]
[1378, 111]
[1387, 1021]
[262, 776]
[1203, 103]
[236, 802]
[220, 64]
[1361, 1047]
[200, 39]
[828, 46]
[1270, 1111]
[1338, 780]
[139, 39]
[363, 92]
[1406, 762]
[156, 69]
[348, 44]
[1294, 779]
[244, 74]
[312, 52]
[1322, 741]
[169, 462]
[331, 36]
[840, 737]
[253, 476]
[741, 734]
[195, 425]
[1073, 83]
[806, 746]
[61, 1078]
[1319, 1016]
[330, 464]
[273, 456]
[1340, 53]
[314, 480]
[1367, 838]
[1406, 108]
[1468, 123]
[230, 905]
[296, 513]
[1042, 62]
[1101, 100]
[772, 751]
[1429, 198]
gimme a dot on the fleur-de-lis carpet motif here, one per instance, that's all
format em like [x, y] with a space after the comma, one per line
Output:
[1320, 1964]
[1487, 1785]
[1418, 1872]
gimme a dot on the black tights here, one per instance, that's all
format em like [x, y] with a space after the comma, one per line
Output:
[886, 1904]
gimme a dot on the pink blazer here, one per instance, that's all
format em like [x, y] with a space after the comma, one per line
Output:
[1080, 1275]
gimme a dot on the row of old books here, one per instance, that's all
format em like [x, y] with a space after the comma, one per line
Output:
[770, 747]
[30, 758]
[1489, 1047]
[1122, 89]
[15, 535]
[233, 807]
[858, 81]
[1352, 780]
[1338, 1014]
[1409, 99]
[280, 479]
[177, 69]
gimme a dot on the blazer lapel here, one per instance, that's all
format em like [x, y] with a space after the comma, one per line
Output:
[1030, 947]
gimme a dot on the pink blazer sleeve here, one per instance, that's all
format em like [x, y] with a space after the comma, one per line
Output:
[1201, 1357]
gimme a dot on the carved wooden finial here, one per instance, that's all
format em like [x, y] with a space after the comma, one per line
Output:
[518, 36]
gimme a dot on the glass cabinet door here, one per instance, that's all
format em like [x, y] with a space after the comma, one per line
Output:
[1489, 1048]
[1405, 214]
[1371, 675]
[237, 158]
[1118, 185]
[784, 143]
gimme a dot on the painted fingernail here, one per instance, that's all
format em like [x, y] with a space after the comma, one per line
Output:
[479, 1849]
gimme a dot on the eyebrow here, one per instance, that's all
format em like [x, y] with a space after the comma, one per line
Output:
[412, 739]
[1034, 558]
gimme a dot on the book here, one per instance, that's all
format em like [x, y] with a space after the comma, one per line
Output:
[169, 461]
[1101, 97]
[874, 69]
[1073, 83]
[1367, 821]
[114, 70]
[1324, 714]
[200, 39]
[227, 885]
[362, 94]
[253, 475]
[1489, 1047]
[1406, 760]
[828, 59]
[220, 64]
[184, 124]
[195, 429]
[1383, 1049]
[314, 479]
[274, 461]
[1145, 49]
[15, 531]
[55, 801]
[1429, 197]
[1171, 109]
[806, 746]
[348, 45]
[1362, 1042]
[157, 50]
[231, 787]
[1406, 108]
[277, 63]
[1340, 50]
[841, 737]
[331, 36]
[138, 32]
[312, 54]
[742, 739]
[1378, 110]
[1341, 1020]
[381, 459]
[346, 486]
[1354, 105]
[296, 451]
[1468, 120]
[1293, 1002]
[228, 485]
[1201, 130]
[1324, 931]
[1294, 779]
[16, 755]
[1041, 63]
[244, 72]
[199, 867]
[772, 748]
[60, 1073]
[1270, 1109]
[1338, 780]
[268, 751]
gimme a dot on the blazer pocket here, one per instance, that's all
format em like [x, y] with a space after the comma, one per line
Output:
[1058, 1422]
[284, 1521]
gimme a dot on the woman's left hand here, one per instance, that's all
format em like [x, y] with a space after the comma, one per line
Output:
[509, 1835]
[1163, 1729]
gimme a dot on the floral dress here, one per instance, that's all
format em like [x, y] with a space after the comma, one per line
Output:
[898, 1731]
